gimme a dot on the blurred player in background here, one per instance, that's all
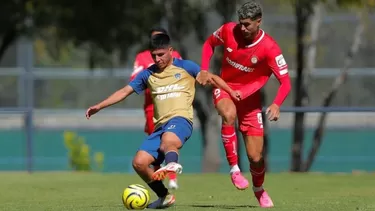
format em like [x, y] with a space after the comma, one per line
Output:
[250, 57]
[142, 61]
[172, 84]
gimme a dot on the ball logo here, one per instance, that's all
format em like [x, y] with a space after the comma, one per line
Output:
[177, 75]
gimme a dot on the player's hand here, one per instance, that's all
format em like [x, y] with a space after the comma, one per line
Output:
[203, 78]
[236, 95]
[92, 110]
[273, 112]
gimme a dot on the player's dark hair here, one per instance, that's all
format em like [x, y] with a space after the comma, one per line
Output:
[157, 29]
[251, 9]
[159, 41]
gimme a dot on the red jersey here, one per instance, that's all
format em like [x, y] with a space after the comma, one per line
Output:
[142, 61]
[248, 67]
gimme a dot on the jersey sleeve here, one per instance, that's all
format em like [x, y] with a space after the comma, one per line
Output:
[137, 67]
[215, 39]
[279, 67]
[191, 67]
[139, 83]
[276, 61]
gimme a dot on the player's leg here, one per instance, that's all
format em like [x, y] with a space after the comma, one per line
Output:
[149, 128]
[251, 126]
[147, 155]
[176, 132]
[227, 111]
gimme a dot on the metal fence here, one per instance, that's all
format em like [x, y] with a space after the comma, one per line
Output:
[55, 99]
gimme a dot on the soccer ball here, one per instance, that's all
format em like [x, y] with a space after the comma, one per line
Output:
[136, 197]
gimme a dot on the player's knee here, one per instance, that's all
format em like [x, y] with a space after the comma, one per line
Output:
[141, 161]
[170, 142]
[227, 111]
[139, 164]
[229, 117]
[254, 157]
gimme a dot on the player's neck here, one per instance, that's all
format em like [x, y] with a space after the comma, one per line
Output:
[169, 64]
[254, 38]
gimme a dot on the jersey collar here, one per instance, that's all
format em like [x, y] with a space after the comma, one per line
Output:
[261, 32]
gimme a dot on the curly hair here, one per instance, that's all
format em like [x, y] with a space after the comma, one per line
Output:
[251, 9]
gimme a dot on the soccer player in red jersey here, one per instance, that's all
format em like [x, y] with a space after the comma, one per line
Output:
[143, 60]
[250, 57]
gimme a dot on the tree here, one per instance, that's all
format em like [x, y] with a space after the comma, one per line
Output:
[106, 27]
[18, 18]
[208, 115]
[330, 95]
[305, 11]
[182, 18]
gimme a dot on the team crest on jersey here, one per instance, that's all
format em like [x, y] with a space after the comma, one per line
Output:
[177, 75]
[254, 59]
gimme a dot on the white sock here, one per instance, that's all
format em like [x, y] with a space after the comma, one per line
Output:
[234, 168]
[256, 189]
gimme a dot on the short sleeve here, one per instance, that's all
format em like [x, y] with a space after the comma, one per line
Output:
[191, 67]
[276, 61]
[139, 83]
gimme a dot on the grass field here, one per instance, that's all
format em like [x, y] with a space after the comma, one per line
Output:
[91, 191]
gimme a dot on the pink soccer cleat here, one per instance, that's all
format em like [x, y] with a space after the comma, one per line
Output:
[264, 199]
[239, 181]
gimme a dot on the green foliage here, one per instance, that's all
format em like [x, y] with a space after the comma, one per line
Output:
[79, 153]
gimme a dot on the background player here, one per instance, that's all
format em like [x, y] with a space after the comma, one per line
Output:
[250, 57]
[172, 85]
[142, 61]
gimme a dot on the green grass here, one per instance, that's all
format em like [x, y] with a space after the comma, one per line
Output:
[91, 191]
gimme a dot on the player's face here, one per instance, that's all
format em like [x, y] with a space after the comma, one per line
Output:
[162, 57]
[249, 28]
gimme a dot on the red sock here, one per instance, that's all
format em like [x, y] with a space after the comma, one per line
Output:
[229, 137]
[258, 173]
[172, 176]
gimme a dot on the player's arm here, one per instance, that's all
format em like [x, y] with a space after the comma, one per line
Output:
[279, 67]
[215, 39]
[137, 85]
[221, 84]
[194, 70]
[116, 97]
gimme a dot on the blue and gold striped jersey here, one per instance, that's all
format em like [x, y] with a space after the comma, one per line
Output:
[172, 89]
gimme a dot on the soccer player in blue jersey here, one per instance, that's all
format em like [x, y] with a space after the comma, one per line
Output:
[172, 85]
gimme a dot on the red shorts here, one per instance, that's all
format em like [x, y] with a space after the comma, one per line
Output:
[249, 112]
[149, 115]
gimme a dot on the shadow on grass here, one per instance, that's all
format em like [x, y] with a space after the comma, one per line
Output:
[219, 206]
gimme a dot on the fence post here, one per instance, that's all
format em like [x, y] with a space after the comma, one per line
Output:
[27, 77]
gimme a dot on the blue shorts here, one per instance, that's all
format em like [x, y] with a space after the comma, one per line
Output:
[177, 125]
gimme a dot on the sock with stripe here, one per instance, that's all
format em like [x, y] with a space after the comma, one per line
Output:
[229, 137]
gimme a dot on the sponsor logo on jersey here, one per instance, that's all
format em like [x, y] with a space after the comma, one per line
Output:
[239, 66]
[172, 89]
